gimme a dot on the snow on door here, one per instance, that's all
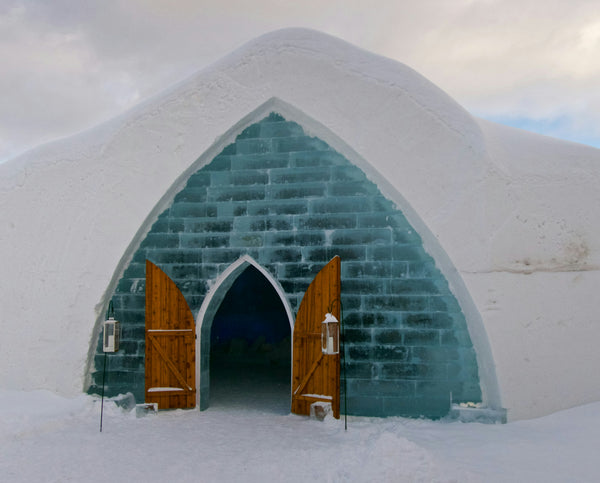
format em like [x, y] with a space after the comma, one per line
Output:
[170, 343]
[316, 376]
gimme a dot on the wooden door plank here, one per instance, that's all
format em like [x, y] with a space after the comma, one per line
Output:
[309, 374]
[170, 345]
[170, 364]
[313, 372]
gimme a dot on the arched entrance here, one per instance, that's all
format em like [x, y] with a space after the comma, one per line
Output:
[245, 342]
[250, 347]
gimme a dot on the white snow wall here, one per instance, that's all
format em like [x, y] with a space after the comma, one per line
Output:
[511, 217]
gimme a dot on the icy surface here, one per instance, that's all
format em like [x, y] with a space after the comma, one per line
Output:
[45, 437]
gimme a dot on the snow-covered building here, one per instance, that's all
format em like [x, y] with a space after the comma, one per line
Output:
[470, 251]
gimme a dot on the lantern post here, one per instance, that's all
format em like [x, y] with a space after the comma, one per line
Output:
[332, 338]
[111, 335]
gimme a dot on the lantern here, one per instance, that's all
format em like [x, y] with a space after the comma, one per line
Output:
[112, 334]
[330, 335]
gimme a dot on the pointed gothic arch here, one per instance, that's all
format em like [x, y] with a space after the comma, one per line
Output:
[480, 374]
[208, 310]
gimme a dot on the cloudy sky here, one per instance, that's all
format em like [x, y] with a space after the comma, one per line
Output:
[66, 65]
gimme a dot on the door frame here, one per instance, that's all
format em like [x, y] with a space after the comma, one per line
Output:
[207, 312]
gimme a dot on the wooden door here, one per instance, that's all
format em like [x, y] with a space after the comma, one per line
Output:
[170, 343]
[316, 376]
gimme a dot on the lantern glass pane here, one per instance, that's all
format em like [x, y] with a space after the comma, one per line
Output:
[330, 336]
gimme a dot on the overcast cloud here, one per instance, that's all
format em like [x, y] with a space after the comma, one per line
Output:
[67, 65]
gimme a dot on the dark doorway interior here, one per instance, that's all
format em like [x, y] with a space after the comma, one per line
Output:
[250, 355]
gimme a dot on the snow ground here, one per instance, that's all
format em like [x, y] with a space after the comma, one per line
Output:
[48, 438]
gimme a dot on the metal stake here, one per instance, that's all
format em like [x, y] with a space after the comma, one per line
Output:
[102, 404]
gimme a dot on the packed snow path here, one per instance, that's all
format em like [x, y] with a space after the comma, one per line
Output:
[253, 387]
[48, 438]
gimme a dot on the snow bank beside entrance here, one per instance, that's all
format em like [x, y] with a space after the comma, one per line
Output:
[48, 438]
